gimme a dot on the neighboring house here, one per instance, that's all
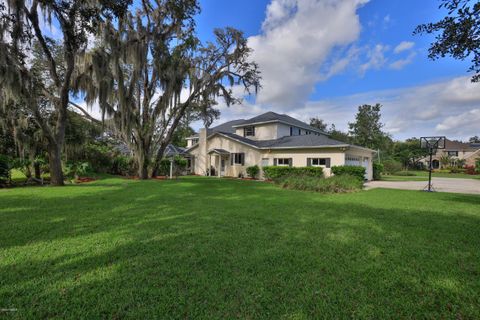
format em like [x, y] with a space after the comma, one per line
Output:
[266, 140]
[457, 151]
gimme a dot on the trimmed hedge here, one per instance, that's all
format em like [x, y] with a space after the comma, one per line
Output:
[335, 184]
[253, 171]
[356, 171]
[276, 172]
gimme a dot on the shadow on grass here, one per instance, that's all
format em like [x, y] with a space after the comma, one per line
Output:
[207, 248]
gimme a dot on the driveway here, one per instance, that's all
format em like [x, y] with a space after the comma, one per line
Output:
[454, 185]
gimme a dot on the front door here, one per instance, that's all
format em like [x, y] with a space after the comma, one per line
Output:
[222, 167]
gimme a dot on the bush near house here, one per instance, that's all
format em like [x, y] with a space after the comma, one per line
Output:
[391, 166]
[179, 165]
[356, 171]
[477, 165]
[276, 172]
[336, 184]
[377, 170]
[253, 171]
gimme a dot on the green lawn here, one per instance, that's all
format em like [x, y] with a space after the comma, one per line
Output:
[218, 248]
[423, 176]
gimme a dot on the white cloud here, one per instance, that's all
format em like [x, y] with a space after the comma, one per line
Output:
[464, 124]
[376, 58]
[297, 39]
[403, 46]
[450, 108]
[401, 63]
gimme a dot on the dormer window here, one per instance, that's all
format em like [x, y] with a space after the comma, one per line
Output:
[249, 131]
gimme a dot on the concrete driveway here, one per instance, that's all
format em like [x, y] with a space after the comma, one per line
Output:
[471, 186]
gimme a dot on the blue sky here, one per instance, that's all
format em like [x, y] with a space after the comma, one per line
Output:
[325, 57]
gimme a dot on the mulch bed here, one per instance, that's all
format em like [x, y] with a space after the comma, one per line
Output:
[84, 180]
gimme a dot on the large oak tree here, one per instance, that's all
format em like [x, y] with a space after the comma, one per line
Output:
[20, 81]
[148, 70]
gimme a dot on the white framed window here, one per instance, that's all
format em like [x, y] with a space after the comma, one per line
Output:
[453, 153]
[249, 131]
[283, 161]
[317, 162]
[237, 159]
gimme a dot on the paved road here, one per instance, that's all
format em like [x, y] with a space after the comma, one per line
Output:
[455, 185]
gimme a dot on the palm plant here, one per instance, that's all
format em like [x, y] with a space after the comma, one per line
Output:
[445, 160]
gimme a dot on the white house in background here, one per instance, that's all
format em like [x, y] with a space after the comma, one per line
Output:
[266, 140]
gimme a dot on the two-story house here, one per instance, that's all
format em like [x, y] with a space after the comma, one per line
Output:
[456, 150]
[270, 139]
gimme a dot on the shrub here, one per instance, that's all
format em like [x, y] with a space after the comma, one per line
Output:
[404, 173]
[5, 167]
[456, 170]
[253, 171]
[76, 169]
[335, 184]
[477, 165]
[377, 170]
[471, 170]
[122, 165]
[179, 164]
[356, 171]
[100, 157]
[276, 172]
[391, 166]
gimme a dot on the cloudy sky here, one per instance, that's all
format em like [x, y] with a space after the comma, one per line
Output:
[326, 57]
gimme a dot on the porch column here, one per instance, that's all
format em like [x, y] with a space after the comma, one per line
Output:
[219, 158]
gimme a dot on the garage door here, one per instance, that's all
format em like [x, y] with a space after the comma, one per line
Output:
[353, 160]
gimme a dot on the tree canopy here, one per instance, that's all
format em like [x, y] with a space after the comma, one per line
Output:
[149, 69]
[457, 34]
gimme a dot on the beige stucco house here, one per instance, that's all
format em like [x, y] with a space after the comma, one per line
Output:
[269, 139]
[456, 150]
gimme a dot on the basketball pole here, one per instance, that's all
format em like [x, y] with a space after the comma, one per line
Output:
[430, 167]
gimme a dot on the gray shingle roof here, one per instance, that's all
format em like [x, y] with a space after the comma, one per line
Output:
[273, 116]
[172, 150]
[290, 141]
[226, 127]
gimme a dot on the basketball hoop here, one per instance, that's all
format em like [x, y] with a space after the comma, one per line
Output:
[432, 144]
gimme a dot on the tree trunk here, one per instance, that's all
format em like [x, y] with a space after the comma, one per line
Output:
[55, 163]
[142, 167]
[38, 172]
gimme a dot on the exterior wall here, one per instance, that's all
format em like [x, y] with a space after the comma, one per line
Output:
[283, 130]
[299, 157]
[254, 156]
[266, 131]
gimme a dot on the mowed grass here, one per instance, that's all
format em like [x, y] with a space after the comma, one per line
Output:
[201, 248]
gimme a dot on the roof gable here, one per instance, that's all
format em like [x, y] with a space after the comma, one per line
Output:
[275, 117]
